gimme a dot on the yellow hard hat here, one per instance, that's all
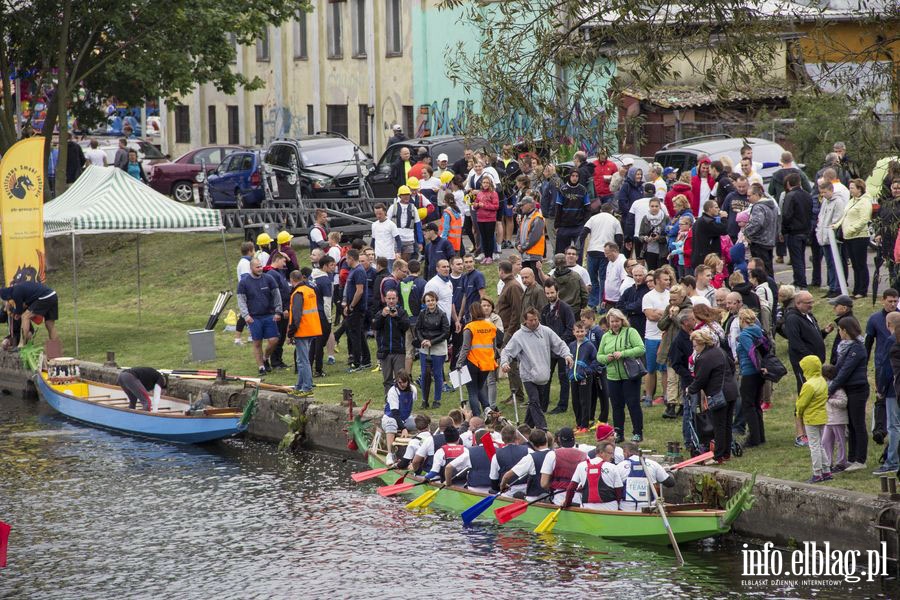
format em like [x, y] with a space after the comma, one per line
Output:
[263, 239]
[284, 237]
[413, 183]
[403, 190]
[446, 177]
[422, 213]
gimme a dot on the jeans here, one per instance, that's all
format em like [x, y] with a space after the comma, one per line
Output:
[858, 447]
[565, 237]
[304, 369]
[596, 266]
[622, 393]
[534, 416]
[796, 246]
[857, 249]
[432, 366]
[560, 365]
[478, 397]
[893, 438]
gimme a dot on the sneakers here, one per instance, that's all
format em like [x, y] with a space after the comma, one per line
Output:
[447, 387]
[302, 393]
[801, 441]
[331, 360]
[268, 366]
[262, 372]
[319, 374]
[647, 401]
[238, 342]
[659, 401]
[558, 410]
[855, 466]
[766, 406]
[389, 459]
[816, 479]
[827, 477]
[488, 261]
[582, 431]
[779, 260]
[839, 468]
[366, 366]
[480, 257]
[637, 438]
[353, 368]
[670, 412]
[883, 470]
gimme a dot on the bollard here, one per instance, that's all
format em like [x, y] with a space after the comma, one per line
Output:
[220, 375]
[110, 359]
[892, 485]
[884, 484]
[347, 398]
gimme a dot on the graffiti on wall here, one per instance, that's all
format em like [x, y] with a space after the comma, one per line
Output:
[436, 119]
[281, 122]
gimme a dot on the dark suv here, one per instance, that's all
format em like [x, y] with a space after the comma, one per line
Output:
[326, 165]
[453, 146]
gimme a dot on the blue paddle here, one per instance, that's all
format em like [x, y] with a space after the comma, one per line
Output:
[472, 513]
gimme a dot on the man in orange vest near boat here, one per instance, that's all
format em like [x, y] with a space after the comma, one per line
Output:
[137, 382]
[531, 240]
[599, 481]
[303, 328]
[559, 465]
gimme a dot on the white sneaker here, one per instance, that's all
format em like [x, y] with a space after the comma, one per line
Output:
[479, 258]
[238, 342]
[390, 460]
[855, 467]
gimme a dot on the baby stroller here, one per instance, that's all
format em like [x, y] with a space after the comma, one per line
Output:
[701, 432]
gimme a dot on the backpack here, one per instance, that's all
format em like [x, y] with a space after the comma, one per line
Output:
[764, 359]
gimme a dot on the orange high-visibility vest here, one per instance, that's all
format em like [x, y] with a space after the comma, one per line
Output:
[538, 248]
[310, 325]
[482, 353]
[455, 234]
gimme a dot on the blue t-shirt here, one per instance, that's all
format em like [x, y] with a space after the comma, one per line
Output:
[474, 283]
[356, 277]
[459, 291]
[257, 292]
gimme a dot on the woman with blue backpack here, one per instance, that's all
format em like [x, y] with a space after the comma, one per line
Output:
[751, 377]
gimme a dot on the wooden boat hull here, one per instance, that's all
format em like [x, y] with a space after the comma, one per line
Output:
[172, 427]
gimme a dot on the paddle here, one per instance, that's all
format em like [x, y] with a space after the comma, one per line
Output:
[488, 442]
[662, 513]
[398, 488]
[508, 513]
[549, 522]
[474, 511]
[371, 474]
[428, 497]
[693, 461]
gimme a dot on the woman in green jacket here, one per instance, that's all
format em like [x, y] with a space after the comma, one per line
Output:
[855, 227]
[622, 341]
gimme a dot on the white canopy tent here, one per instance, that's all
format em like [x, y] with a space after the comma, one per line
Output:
[108, 200]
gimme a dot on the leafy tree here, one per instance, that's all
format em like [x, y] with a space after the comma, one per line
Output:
[79, 52]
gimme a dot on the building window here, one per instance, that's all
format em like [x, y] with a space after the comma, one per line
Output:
[258, 121]
[363, 125]
[335, 41]
[337, 119]
[262, 46]
[310, 119]
[234, 125]
[211, 123]
[409, 121]
[182, 125]
[393, 43]
[300, 37]
[358, 22]
[232, 41]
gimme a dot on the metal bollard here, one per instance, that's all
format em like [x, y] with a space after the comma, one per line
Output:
[220, 375]
[347, 398]
[110, 359]
[884, 484]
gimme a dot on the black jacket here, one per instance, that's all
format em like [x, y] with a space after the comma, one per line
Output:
[681, 350]
[586, 176]
[803, 334]
[398, 172]
[895, 366]
[712, 373]
[837, 338]
[433, 327]
[725, 187]
[630, 304]
[390, 331]
[748, 296]
[796, 213]
[707, 237]
[560, 319]
[776, 185]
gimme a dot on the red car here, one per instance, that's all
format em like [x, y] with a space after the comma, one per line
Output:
[176, 178]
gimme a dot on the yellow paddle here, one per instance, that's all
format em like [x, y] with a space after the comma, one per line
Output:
[428, 497]
[549, 522]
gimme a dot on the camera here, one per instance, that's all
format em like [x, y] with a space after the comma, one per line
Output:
[393, 311]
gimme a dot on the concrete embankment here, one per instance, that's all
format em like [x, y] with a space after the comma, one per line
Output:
[785, 512]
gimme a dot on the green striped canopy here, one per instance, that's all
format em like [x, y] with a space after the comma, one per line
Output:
[109, 200]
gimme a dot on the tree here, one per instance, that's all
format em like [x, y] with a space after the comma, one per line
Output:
[79, 52]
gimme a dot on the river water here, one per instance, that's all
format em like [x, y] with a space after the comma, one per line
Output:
[101, 515]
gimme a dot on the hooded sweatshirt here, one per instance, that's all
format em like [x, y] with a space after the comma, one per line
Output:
[814, 393]
[762, 228]
[683, 189]
[533, 349]
[630, 191]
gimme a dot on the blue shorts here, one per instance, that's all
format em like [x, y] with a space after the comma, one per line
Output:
[652, 347]
[263, 328]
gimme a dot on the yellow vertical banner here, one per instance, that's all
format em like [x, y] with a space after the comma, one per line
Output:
[22, 211]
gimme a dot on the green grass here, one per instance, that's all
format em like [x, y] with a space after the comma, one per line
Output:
[182, 274]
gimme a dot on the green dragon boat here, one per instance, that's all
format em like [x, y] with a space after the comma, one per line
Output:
[689, 522]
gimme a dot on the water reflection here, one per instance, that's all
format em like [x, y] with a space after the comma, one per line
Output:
[103, 515]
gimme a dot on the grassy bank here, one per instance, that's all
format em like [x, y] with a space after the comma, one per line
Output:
[182, 274]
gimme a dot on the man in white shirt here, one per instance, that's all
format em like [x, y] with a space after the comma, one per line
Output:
[406, 217]
[654, 304]
[637, 481]
[385, 236]
[654, 176]
[615, 273]
[599, 481]
[94, 155]
[441, 285]
[602, 228]
[748, 170]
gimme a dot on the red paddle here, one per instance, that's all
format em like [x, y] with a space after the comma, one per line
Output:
[511, 511]
[398, 488]
[488, 442]
[693, 461]
[371, 474]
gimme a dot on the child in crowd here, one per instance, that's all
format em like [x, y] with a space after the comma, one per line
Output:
[836, 426]
[719, 273]
[681, 248]
[742, 219]
[811, 410]
[581, 376]
[738, 255]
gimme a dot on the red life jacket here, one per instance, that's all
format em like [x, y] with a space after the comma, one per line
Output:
[596, 490]
[452, 451]
[567, 460]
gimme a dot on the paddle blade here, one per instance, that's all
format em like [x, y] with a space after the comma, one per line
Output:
[549, 522]
[423, 500]
[371, 474]
[397, 488]
[474, 511]
[401, 478]
[510, 512]
[488, 442]
[693, 461]
[4, 538]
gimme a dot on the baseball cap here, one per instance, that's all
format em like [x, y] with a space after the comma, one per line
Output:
[842, 300]
[442, 157]
[628, 161]
[566, 437]
[397, 127]
[669, 170]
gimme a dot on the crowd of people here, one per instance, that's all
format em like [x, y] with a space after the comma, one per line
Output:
[629, 289]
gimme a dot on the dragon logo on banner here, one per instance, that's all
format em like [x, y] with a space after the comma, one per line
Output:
[22, 211]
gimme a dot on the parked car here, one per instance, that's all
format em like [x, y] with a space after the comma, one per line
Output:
[176, 178]
[684, 155]
[451, 145]
[237, 181]
[329, 166]
[563, 169]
